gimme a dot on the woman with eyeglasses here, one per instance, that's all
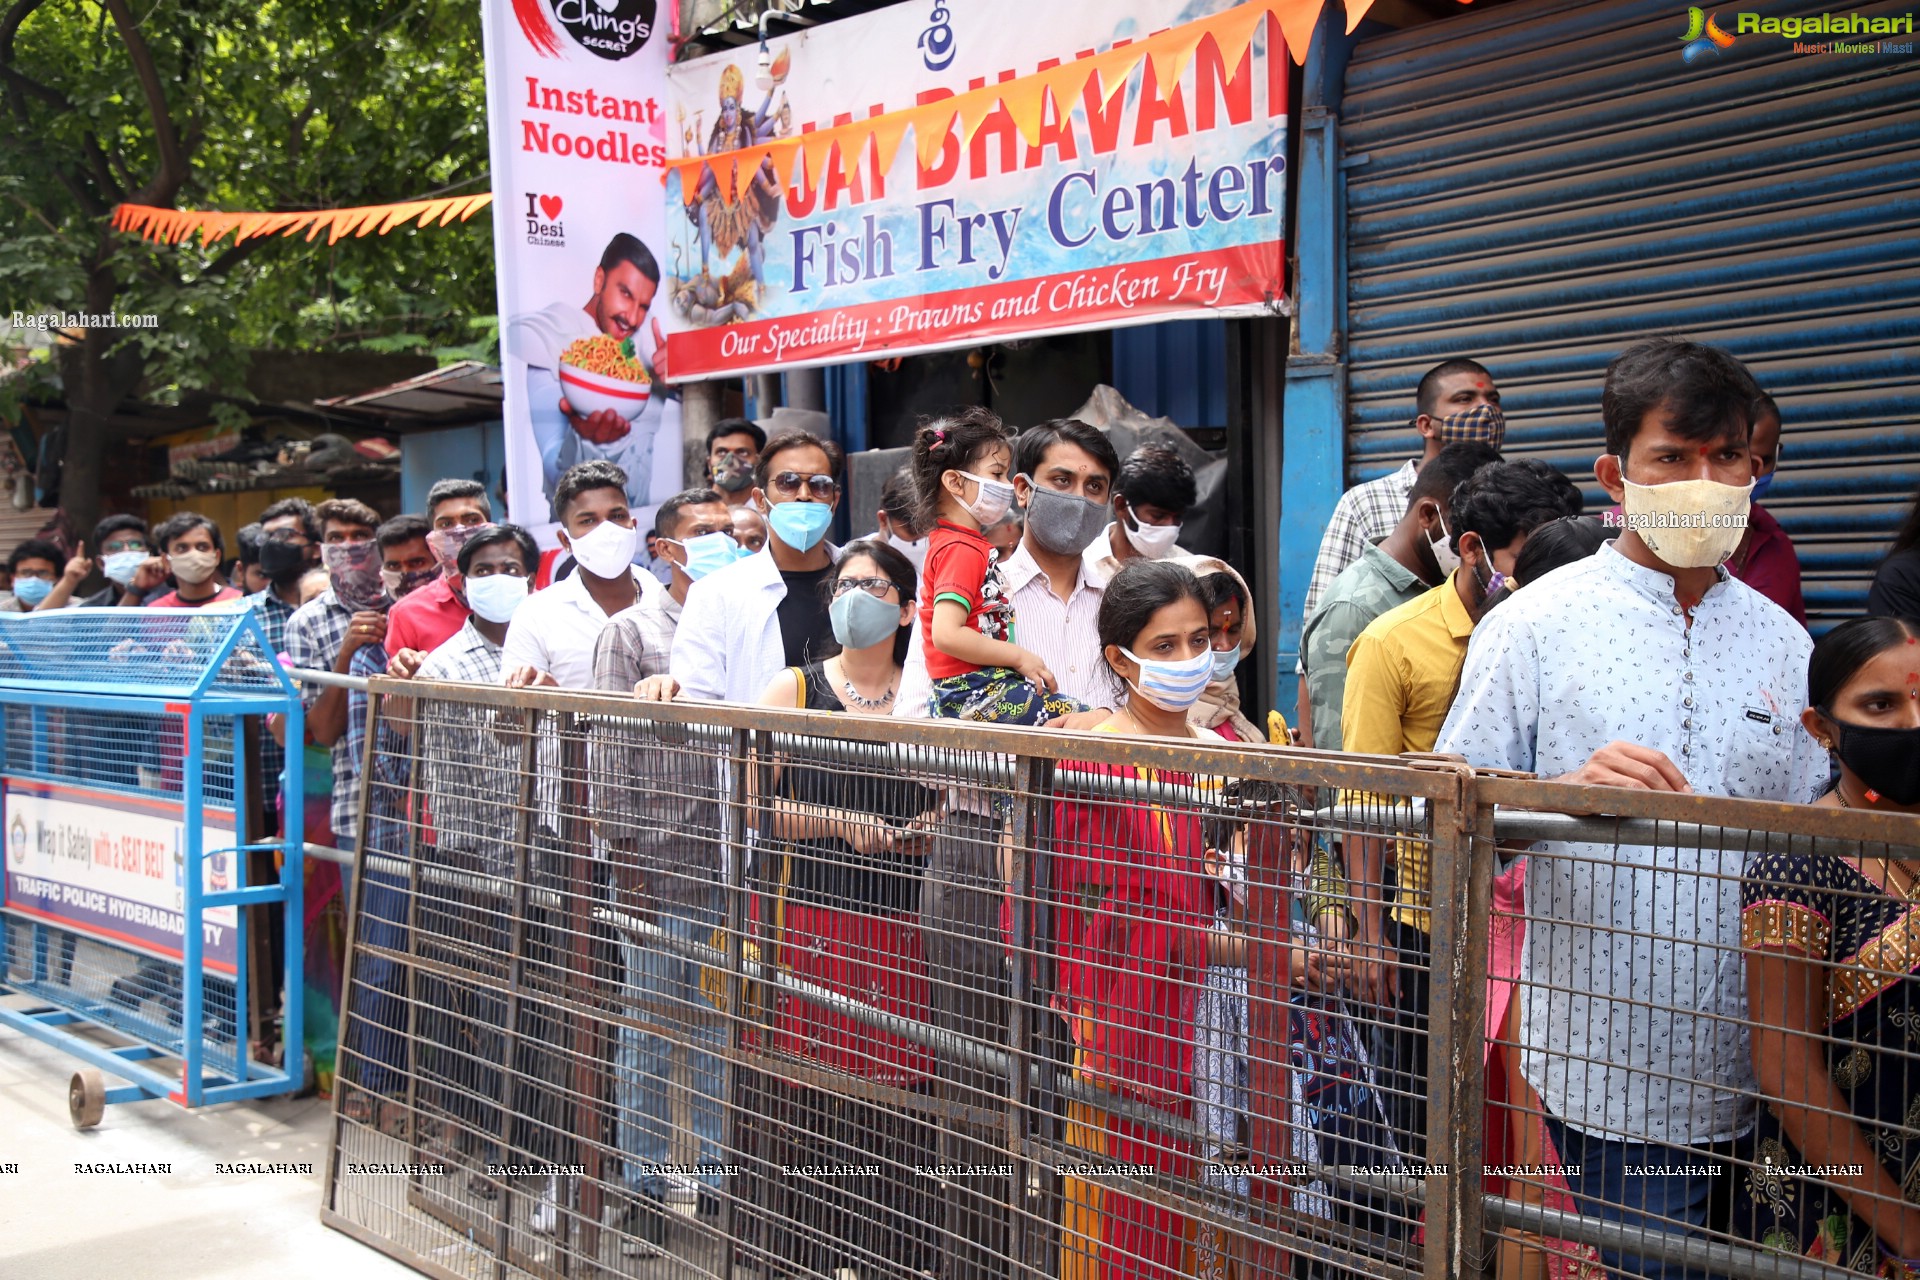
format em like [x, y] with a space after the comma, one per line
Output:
[848, 842]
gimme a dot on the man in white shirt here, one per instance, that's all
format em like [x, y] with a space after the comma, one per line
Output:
[1152, 493]
[552, 636]
[743, 623]
[656, 805]
[550, 643]
[1455, 401]
[624, 285]
[1645, 666]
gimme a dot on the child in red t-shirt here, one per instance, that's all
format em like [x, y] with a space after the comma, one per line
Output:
[960, 467]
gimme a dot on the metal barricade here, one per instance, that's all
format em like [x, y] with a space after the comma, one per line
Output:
[713, 991]
[131, 902]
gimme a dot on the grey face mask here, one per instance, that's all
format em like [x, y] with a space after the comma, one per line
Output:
[1062, 523]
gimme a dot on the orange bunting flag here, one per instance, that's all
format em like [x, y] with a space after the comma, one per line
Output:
[171, 226]
[1022, 101]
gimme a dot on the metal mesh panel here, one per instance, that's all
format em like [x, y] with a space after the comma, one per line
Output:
[138, 753]
[653, 995]
[752, 992]
[135, 994]
[140, 652]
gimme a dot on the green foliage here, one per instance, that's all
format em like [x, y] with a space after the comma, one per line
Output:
[261, 106]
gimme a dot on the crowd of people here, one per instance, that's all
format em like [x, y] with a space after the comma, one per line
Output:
[1464, 603]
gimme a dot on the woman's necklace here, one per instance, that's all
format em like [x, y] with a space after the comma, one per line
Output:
[853, 695]
[1912, 891]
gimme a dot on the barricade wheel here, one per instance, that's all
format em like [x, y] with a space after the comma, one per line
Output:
[86, 1098]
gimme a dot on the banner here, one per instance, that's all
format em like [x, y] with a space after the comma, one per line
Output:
[1072, 167]
[577, 130]
[114, 867]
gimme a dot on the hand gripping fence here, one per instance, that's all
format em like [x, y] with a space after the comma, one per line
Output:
[709, 990]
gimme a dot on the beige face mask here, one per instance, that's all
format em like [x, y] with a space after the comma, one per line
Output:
[1690, 524]
[194, 567]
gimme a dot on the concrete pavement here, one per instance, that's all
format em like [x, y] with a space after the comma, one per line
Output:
[192, 1223]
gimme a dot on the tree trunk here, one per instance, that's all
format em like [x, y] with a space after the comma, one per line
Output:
[97, 380]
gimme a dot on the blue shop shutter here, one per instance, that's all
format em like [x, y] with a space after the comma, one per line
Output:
[1174, 370]
[1539, 184]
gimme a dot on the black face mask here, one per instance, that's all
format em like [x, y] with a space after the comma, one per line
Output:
[1887, 760]
[282, 561]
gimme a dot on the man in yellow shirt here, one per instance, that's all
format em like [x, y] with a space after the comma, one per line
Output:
[1402, 674]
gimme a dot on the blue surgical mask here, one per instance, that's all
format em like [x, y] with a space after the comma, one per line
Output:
[496, 596]
[1761, 486]
[861, 620]
[1173, 686]
[708, 552]
[31, 591]
[1223, 664]
[122, 565]
[800, 525]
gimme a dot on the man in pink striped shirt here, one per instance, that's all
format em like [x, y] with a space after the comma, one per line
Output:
[1063, 478]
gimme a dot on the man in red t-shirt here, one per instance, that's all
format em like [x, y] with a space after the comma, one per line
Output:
[423, 620]
[193, 548]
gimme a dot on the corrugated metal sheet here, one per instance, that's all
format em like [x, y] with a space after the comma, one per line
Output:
[1536, 185]
[1174, 370]
[17, 526]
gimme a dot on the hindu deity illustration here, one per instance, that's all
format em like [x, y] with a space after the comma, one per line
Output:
[736, 220]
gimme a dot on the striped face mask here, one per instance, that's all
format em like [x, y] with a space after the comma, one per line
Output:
[1173, 686]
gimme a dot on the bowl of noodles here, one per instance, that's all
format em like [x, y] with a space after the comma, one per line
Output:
[600, 373]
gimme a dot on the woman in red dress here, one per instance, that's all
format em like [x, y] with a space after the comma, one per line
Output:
[1133, 925]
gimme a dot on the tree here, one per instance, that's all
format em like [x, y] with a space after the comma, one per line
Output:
[226, 105]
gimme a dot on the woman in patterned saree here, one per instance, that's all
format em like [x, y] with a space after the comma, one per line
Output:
[1132, 924]
[1832, 946]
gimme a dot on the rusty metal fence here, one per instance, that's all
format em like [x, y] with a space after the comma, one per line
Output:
[690, 990]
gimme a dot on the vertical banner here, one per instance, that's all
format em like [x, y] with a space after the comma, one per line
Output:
[577, 130]
[932, 175]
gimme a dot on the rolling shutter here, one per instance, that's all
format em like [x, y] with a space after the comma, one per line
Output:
[1538, 184]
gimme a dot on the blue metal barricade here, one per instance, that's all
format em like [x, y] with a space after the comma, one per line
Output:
[126, 900]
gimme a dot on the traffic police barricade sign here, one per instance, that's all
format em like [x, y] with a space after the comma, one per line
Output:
[133, 875]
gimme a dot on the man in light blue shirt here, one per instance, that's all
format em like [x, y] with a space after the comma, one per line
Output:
[1645, 666]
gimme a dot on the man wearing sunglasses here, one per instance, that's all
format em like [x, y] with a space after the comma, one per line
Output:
[744, 622]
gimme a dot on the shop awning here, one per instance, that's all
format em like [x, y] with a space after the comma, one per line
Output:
[468, 391]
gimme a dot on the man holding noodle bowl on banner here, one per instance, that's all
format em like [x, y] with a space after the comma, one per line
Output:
[590, 390]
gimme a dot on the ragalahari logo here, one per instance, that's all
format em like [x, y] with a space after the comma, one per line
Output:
[1703, 36]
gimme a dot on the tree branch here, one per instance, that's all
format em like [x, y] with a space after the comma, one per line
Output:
[120, 170]
[36, 214]
[16, 80]
[234, 255]
[171, 173]
[102, 172]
